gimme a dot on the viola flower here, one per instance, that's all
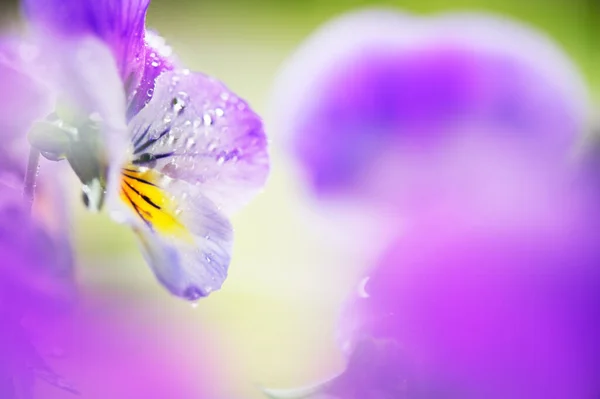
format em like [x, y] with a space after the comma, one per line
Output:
[385, 107]
[171, 152]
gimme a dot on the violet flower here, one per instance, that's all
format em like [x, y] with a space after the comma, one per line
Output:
[171, 152]
[390, 108]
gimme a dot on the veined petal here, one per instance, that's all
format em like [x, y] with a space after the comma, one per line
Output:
[197, 130]
[158, 59]
[118, 23]
[184, 237]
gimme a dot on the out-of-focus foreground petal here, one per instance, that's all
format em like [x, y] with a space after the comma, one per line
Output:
[36, 283]
[119, 24]
[484, 308]
[125, 349]
[24, 98]
[375, 96]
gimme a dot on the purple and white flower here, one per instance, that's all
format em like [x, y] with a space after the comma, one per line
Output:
[171, 152]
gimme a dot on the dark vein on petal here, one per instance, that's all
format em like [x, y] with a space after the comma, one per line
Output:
[144, 197]
[151, 141]
[142, 136]
[152, 158]
[140, 180]
[136, 209]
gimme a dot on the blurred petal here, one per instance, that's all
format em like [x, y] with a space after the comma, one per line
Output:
[85, 75]
[196, 130]
[23, 98]
[159, 59]
[115, 346]
[377, 85]
[117, 23]
[185, 239]
[493, 308]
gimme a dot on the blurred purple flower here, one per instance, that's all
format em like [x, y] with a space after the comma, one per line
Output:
[173, 152]
[484, 307]
[382, 106]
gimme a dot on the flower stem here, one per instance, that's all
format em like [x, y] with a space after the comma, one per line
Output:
[31, 176]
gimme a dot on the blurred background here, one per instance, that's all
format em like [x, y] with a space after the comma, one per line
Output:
[273, 323]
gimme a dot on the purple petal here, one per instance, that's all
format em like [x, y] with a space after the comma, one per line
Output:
[185, 239]
[118, 23]
[492, 308]
[33, 276]
[158, 59]
[197, 130]
[375, 85]
[23, 98]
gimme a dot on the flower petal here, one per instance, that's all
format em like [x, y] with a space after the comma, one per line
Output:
[85, 74]
[118, 23]
[378, 79]
[197, 130]
[158, 59]
[23, 98]
[185, 239]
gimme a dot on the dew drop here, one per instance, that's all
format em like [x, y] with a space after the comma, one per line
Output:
[155, 64]
[193, 293]
[212, 146]
[208, 121]
[178, 104]
[150, 92]
[190, 143]
[219, 112]
[362, 291]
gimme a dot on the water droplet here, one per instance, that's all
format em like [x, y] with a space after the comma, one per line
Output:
[219, 112]
[224, 96]
[150, 92]
[193, 293]
[178, 104]
[178, 212]
[208, 121]
[211, 146]
[170, 140]
[362, 291]
[190, 143]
